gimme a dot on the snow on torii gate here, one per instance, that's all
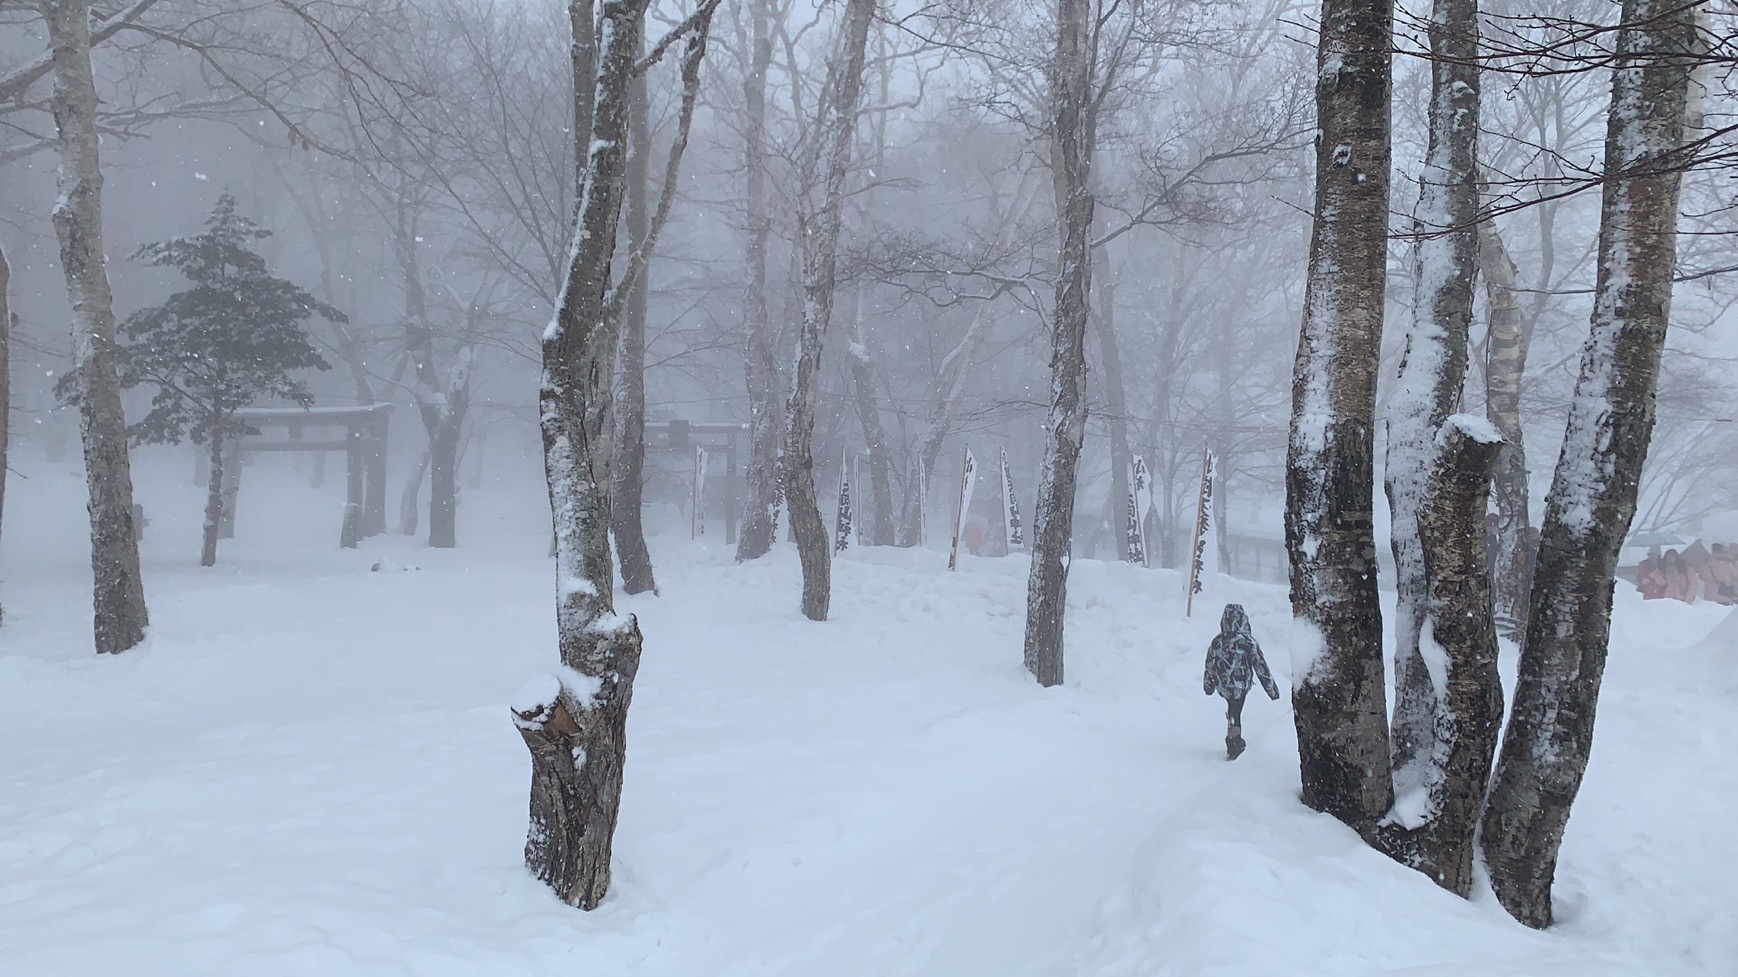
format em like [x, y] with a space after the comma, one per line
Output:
[363, 443]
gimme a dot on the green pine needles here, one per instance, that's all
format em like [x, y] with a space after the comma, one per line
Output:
[237, 336]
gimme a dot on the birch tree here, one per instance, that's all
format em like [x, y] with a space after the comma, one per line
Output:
[118, 593]
[629, 472]
[759, 364]
[1507, 341]
[574, 721]
[1433, 365]
[5, 383]
[819, 235]
[1338, 700]
[1593, 491]
[1071, 149]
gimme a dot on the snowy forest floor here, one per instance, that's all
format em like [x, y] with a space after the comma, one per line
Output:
[310, 770]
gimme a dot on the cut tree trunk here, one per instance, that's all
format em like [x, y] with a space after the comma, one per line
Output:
[820, 245]
[1433, 365]
[1505, 367]
[1338, 699]
[213, 500]
[1593, 493]
[118, 593]
[1071, 150]
[629, 472]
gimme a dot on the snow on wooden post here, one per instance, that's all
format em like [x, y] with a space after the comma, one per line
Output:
[968, 480]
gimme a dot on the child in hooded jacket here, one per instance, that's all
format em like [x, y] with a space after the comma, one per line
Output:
[1232, 658]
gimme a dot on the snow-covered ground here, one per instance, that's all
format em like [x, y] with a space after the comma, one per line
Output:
[311, 770]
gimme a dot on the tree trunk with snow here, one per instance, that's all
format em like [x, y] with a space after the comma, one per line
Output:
[879, 512]
[1338, 699]
[1458, 645]
[214, 499]
[5, 381]
[1593, 493]
[760, 364]
[629, 473]
[950, 387]
[1433, 365]
[575, 725]
[1116, 414]
[1505, 366]
[444, 425]
[1071, 150]
[409, 500]
[820, 245]
[119, 593]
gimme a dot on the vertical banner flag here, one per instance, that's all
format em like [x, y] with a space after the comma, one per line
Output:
[1140, 502]
[922, 503]
[857, 479]
[842, 516]
[968, 480]
[1010, 507]
[697, 501]
[1204, 562]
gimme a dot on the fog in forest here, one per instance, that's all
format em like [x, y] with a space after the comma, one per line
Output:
[414, 162]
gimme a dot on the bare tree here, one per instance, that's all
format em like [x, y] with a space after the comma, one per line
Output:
[760, 366]
[1071, 150]
[629, 472]
[1506, 344]
[820, 245]
[1433, 365]
[119, 593]
[5, 382]
[1338, 699]
[574, 722]
[1593, 493]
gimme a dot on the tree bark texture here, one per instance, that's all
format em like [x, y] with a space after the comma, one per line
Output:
[760, 364]
[1433, 365]
[214, 500]
[1593, 492]
[576, 731]
[1071, 149]
[629, 472]
[1338, 700]
[1505, 366]
[879, 512]
[820, 245]
[444, 428]
[5, 382]
[1116, 416]
[1460, 661]
[119, 595]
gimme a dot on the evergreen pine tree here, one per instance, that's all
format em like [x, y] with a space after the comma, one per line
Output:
[238, 335]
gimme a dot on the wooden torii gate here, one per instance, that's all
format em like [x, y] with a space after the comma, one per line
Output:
[363, 442]
[683, 436]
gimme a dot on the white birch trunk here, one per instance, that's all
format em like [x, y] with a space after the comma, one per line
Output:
[1338, 699]
[820, 244]
[1593, 493]
[1433, 365]
[119, 594]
